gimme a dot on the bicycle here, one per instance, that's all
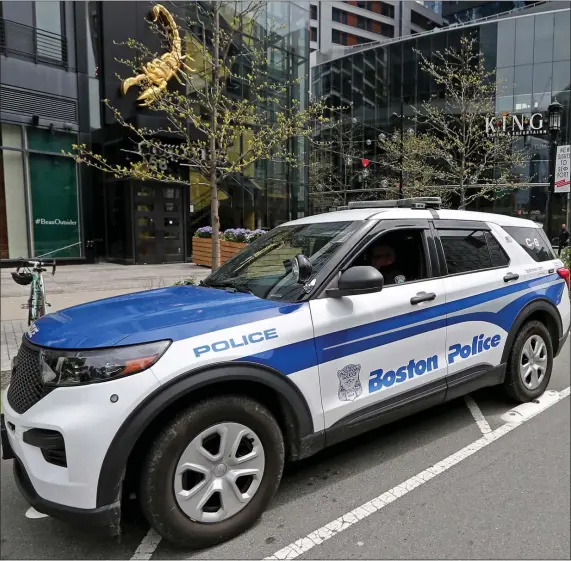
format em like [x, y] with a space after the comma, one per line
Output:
[37, 302]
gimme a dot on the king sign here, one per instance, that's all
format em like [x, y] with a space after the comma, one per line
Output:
[515, 125]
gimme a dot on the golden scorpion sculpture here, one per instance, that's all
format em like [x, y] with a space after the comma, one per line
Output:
[157, 73]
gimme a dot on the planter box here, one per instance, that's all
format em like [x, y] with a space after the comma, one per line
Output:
[202, 251]
[229, 249]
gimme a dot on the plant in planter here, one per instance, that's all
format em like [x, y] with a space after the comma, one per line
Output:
[237, 235]
[233, 241]
[254, 235]
[204, 232]
[202, 246]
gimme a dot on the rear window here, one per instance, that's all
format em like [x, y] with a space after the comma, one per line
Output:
[533, 241]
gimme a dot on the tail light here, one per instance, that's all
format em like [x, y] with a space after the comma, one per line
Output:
[565, 275]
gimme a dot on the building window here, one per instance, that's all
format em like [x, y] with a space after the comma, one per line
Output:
[387, 30]
[422, 21]
[313, 31]
[387, 10]
[313, 10]
[48, 16]
[14, 223]
[336, 36]
[39, 187]
[362, 22]
[339, 16]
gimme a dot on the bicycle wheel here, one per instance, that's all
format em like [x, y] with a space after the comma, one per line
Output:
[30, 319]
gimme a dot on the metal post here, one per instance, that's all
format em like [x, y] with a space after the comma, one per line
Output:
[551, 188]
[401, 178]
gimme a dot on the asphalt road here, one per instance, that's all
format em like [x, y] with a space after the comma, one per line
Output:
[509, 500]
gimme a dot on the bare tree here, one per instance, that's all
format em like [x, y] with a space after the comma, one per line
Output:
[336, 169]
[450, 149]
[228, 111]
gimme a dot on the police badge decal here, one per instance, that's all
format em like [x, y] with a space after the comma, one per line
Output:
[350, 387]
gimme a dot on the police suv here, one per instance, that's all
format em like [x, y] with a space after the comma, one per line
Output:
[190, 398]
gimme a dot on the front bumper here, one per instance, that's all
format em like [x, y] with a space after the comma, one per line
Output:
[108, 517]
[58, 446]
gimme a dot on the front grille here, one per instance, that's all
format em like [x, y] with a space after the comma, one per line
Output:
[26, 384]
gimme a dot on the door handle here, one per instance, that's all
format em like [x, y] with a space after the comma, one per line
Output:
[511, 277]
[422, 297]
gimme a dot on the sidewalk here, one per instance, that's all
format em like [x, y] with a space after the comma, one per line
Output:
[77, 284]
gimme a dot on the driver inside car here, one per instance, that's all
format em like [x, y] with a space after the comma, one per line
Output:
[383, 259]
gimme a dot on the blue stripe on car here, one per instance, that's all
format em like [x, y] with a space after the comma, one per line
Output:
[306, 354]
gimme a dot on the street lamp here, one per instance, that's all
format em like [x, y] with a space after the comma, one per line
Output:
[555, 110]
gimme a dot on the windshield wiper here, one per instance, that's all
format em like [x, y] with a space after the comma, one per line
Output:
[229, 286]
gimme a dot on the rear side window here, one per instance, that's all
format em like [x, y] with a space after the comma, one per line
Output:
[465, 250]
[533, 241]
[497, 254]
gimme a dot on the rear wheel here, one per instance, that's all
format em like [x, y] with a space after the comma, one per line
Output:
[212, 472]
[530, 363]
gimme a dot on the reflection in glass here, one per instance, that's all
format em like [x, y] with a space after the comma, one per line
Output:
[524, 40]
[171, 193]
[542, 85]
[144, 221]
[562, 49]
[145, 191]
[561, 76]
[543, 39]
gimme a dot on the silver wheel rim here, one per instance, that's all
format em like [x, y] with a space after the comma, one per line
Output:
[219, 472]
[533, 362]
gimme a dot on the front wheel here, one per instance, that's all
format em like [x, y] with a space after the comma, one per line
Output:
[40, 307]
[530, 363]
[212, 472]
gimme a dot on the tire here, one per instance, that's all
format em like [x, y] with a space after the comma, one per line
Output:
[158, 500]
[30, 311]
[514, 384]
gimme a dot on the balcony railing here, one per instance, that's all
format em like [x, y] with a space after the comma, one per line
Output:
[33, 44]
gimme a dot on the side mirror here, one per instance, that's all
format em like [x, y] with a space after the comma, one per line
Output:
[357, 280]
[301, 268]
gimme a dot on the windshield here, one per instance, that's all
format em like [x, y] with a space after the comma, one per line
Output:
[264, 267]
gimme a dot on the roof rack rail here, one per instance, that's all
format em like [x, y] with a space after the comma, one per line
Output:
[415, 202]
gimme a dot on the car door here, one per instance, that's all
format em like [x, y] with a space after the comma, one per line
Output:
[379, 351]
[480, 279]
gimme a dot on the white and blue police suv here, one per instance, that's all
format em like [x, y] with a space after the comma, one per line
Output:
[191, 398]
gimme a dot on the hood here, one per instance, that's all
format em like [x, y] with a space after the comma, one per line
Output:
[175, 313]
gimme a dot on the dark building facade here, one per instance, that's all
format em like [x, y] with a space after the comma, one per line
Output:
[59, 59]
[148, 222]
[530, 53]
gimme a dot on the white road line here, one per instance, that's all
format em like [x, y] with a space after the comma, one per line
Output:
[147, 547]
[301, 546]
[478, 415]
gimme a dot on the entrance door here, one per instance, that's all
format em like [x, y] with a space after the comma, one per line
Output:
[158, 224]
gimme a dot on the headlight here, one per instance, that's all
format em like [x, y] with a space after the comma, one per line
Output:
[72, 368]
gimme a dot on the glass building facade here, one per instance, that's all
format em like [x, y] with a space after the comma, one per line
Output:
[530, 53]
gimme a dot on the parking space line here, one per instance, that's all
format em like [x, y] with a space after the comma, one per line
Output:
[483, 425]
[301, 546]
[147, 547]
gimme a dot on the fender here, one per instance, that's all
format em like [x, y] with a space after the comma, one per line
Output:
[539, 305]
[115, 461]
